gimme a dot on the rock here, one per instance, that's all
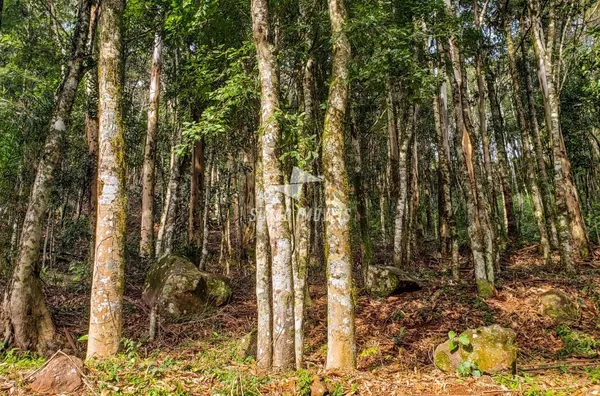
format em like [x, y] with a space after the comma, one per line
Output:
[318, 387]
[247, 346]
[61, 375]
[493, 348]
[556, 304]
[384, 281]
[179, 289]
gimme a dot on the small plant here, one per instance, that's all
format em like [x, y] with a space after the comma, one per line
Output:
[577, 343]
[467, 368]
[130, 348]
[455, 341]
[15, 360]
[401, 335]
[304, 379]
[368, 352]
[336, 388]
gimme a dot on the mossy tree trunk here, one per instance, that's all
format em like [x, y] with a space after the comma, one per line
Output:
[149, 167]
[264, 295]
[529, 165]
[272, 178]
[27, 321]
[447, 223]
[402, 199]
[503, 164]
[479, 230]
[572, 236]
[108, 283]
[166, 229]
[341, 347]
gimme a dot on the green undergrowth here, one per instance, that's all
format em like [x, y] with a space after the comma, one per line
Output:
[13, 361]
[199, 366]
[577, 343]
[528, 385]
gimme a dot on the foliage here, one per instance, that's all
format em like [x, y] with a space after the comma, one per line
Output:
[577, 343]
[13, 360]
[455, 341]
[466, 368]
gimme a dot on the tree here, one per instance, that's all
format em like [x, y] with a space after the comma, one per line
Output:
[108, 283]
[272, 178]
[147, 221]
[572, 236]
[341, 348]
[27, 321]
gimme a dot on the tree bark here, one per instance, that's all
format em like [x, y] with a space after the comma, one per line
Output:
[571, 230]
[166, 229]
[538, 154]
[341, 347]
[196, 190]
[148, 171]
[498, 127]
[277, 221]
[480, 233]
[447, 224]
[524, 128]
[264, 295]
[106, 303]
[27, 321]
[400, 219]
[361, 203]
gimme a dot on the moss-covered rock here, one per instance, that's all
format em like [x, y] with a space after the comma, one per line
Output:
[493, 348]
[383, 281]
[247, 346]
[485, 289]
[178, 288]
[556, 304]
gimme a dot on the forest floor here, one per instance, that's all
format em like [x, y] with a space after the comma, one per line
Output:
[395, 339]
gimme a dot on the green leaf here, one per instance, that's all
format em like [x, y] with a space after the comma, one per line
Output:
[451, 334]
[464, 339]
[453, 346]
[83, 338]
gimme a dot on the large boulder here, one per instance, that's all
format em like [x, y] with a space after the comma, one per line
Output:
[178, 288]
[492, 349]
[383, 281]
[556, 304]
[60, 376]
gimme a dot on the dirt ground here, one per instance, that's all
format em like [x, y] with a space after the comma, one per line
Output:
[395, 339]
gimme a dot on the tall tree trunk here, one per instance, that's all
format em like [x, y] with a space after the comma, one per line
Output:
[447, 225]
[91, 129]
[505, 183]
[277, 222]
[361, 203]
[166, 229]
[393, 147]
[341, 347]
[108, 283]
[530, 171]
[571, 231]
[264, 295]
[148, 172]
[196, 190]
[206, 211]
[91, 132]
[301, 254]
[27, 321]
[478, 228]
[538, 154]
[403, 187]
